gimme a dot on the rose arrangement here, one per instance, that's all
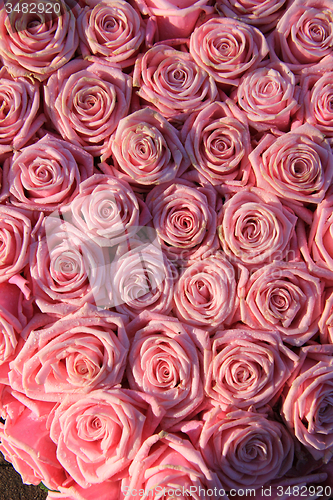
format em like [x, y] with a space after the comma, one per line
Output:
[166, 248]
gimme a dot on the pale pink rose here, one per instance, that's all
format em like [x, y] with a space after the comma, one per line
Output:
[185, 219]
[85, 102]
[81, 352]
[262, 14]
[227, 48]
[167, 466]
[218, 144]
[255, 228]
[297, 166]
[304, 34]
[148, 149]
[268, 97]
[172, 83]
[111, 29]
[166, 362]
[326, 321]
[46, 174]
[98, 435]
[247, 368]
[285, 297]
[107, 210]
[205, 294]
[245, 449]
[25, 440]
[37, 45]
[307, 408]
[317, 100]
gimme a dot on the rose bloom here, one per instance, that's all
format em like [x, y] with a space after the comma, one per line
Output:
[107, 210]
[85, 102]
[148, 149]
[76, 354]
[247, 368]
[268, 97]
[317, 98]
[170, 81]
[298, 166]
[217, 140]
[46, 174]
[227, 48]
[184, 219]
[205, 294]
[307, 408]
[25, 440]
[168, 464]
[262, 14]
[99, 434]
[111, 29]
[37, 44]
[255, 228]
[165, 362]
[103, 491]
[283, 296]
[326, 321]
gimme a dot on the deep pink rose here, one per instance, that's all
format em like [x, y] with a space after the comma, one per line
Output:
[85, 102]
[307, 407]
[98, 435]
[247, 368]
[170, 81]
[37, 45]
[111, 29]
[166, 362]
[46, 174]
[255, 228]
[317, 100]
[227, 48]
[78, 353]
[245, 448]
[262, 14]
[148, 149]
[283, 296]
[205, 294]
[218, 143]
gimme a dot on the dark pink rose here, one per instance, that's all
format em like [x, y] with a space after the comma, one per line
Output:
[148, 149]
[85, 102]
[247, 368]
[111, 29]
[98, 435]
[255, 228]
[317, 100]
[46, 174]
[218, 144]
[227, 48]
[283, 296]
[37, 45]
[170, 81]
[262, 14]
[307, 407]
[166, 362]
[245, 448]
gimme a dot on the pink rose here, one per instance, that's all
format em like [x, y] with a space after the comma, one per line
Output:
[148, 149]
[298, 166]
[227, 48]
[103, 491]
[262, 14]
[98, 435]
[85, 102]
[184, 219]
[46, 174]
[326, 321]
[80, 352]
[170, 81]
[283, 296]
[255, 228]
[317, 98]
[268, 97]
[247, 368]
[307, 407]
[37, 44]
[111, 29]
[218, 144]
[245, 449]
[205, 294]
[166, 362]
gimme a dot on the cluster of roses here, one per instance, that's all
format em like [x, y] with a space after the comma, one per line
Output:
[166, 248]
